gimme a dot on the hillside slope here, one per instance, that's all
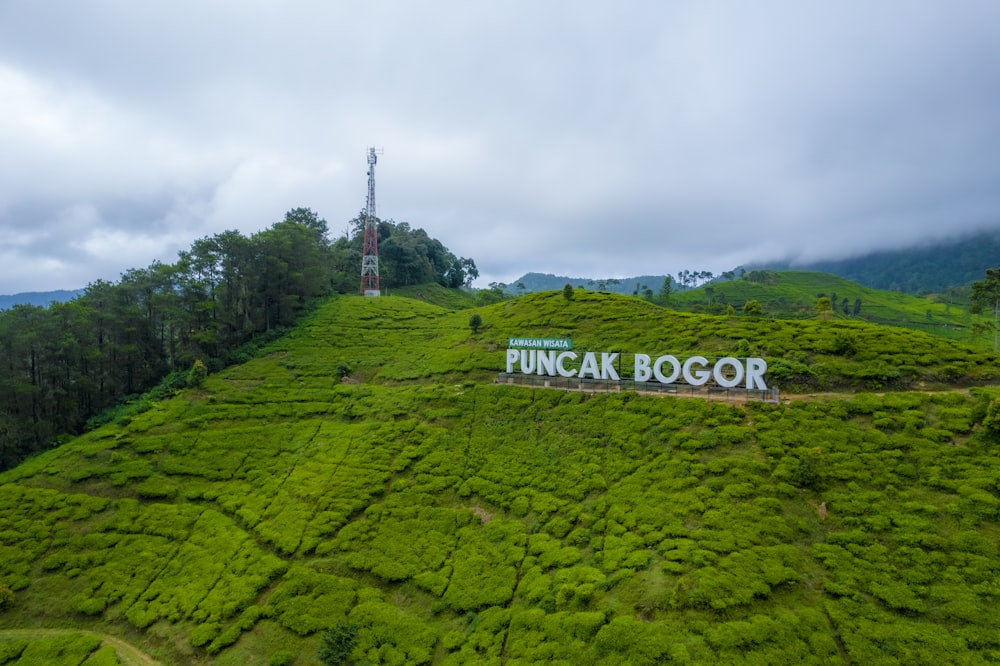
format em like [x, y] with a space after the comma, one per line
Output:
[548, 282]
[928, 267]
[439, 518]
[794, 294]
[42, 298]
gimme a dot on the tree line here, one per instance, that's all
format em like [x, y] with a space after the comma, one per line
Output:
[63, 365]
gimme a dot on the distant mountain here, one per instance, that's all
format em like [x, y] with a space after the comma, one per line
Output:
[42, 298]
[415, 510]
[795, 294]
[547, 282]
[923, 268]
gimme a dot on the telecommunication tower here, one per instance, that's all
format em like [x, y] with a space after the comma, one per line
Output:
[369, 253]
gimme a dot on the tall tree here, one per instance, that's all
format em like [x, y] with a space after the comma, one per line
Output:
[666, 289]
[823, 308]
[986, 294]
[62, 366]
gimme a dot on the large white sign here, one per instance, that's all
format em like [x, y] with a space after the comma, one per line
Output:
[728, 372]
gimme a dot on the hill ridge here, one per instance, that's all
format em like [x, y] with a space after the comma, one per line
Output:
[928, 267]
[367, 472]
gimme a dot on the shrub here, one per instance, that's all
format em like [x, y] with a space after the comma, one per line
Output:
[197, 373]
[6, 597]
[204, 633]
[991, 422]
[807, 474]
[105, 656]
[282, 658]
[845, 344]
[338, 643]
[89, 605]
[10, 650]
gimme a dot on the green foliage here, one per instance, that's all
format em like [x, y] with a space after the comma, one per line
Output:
[282, 658]
[338, 643]
[924, 269]
[11, 649]
[986, 292]
[63, 649]
[197, 374]
[752, 308]
[991, 422]
[435, 294]
[224, 297]
[633, 642]
[475, 321]
[795, 294]
[104, 656]
[495, 294]
[823, 308]
[7, 597]
[986, 295]
[567, 291]
[452, 520]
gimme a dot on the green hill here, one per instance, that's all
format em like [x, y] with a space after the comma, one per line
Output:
[453, 299]
[366, 481]
[41, 298]
[923, 268]
[548, 282]
[794, 295]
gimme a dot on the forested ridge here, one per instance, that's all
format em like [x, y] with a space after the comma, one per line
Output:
[925, 268]
[362, 491]
[63, 365]
[794, 294]
[947, 267]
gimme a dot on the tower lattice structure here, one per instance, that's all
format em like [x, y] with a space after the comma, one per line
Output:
[369, 253]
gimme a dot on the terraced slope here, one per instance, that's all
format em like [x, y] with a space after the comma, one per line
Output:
[439, 518]
[794, 295]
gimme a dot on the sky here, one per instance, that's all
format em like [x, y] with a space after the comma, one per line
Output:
[581, 138]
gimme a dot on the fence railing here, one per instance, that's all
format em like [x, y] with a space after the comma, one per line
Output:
[708, 392]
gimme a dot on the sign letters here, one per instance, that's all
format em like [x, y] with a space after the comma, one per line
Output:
[542, 357]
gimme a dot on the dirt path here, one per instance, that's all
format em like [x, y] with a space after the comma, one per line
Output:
[127, 653]
[786, 397]
[736, 397]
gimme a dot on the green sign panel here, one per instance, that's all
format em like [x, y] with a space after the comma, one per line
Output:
[539, 343]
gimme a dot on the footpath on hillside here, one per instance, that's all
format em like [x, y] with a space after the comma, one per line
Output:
[712, 393]
[128, 654]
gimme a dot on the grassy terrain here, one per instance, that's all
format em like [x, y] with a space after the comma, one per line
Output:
[72, 647]
[806, 355]
[794, 294]
[56, 649]
[365, 473]
[453, 299]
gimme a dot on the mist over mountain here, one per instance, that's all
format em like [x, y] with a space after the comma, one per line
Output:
[43, 298]
[547, 282]
[922, 268]
[928, 268]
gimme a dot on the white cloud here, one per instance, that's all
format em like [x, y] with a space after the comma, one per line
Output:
[573, 137]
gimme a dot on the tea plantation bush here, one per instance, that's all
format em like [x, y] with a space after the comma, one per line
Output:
[454, 521]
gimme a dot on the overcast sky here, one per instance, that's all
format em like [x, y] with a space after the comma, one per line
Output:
[582, 138]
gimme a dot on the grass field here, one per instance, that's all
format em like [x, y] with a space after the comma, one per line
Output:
[794, 295]
[366, 476]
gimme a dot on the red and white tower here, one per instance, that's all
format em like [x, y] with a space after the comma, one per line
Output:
[369, 252]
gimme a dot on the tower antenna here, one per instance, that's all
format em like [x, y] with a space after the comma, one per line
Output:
[369, 253]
